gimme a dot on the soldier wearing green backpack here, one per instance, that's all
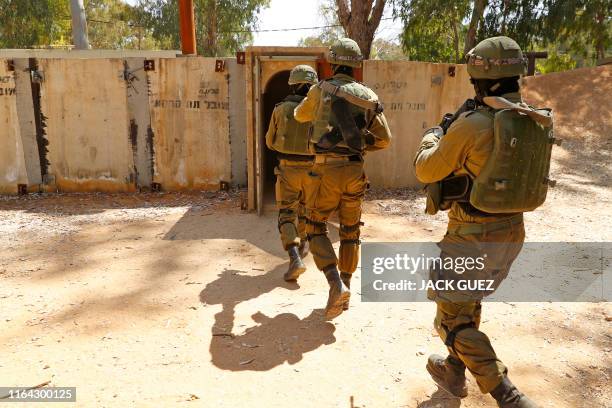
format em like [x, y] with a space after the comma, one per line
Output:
[290, 140]
[487, 168]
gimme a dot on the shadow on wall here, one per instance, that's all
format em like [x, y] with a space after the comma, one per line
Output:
[274, 340]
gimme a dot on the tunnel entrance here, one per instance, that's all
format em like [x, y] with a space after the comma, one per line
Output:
[276, 90]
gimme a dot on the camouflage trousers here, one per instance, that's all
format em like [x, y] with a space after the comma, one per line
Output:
[292, 181]
[336, 186]
[457, 320]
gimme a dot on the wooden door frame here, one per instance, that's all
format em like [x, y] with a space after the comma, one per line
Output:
[254, 91]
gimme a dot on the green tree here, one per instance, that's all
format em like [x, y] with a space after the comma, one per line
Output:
[32, 23]
[114, 24]
[584, 25]
[433, 29]
[386, 50]
[222, 26]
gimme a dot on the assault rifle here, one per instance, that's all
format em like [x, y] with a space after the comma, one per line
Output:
[449, 118]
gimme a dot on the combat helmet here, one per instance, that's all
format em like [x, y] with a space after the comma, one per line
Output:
[345, 52]
[496, 57]
[303, 74]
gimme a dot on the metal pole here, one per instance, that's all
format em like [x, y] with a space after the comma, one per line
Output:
[79, 25]
[187, 26]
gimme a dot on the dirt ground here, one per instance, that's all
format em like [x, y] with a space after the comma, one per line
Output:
[171, 300]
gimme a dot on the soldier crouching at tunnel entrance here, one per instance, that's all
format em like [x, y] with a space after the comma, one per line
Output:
[487, 164]
[290, 140]
[347, 121]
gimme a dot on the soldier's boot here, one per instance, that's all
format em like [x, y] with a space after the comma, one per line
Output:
[296, 265]
[339, 294]
[346, 279]
[449, 374]
[304, 248]
[507, 396]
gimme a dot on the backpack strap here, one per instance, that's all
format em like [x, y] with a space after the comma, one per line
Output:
[355, 100]
[497, 102]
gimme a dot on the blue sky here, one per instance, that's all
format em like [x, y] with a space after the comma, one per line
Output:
[301, 13]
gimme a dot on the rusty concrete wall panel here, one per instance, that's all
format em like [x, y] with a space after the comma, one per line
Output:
[189, 106]
[85, 105]
[140, 120]
[12, 165]
[237, 116]
[27, 123]
[415, 96]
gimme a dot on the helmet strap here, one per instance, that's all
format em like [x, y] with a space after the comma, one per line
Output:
[300, 89]
[342, 69]
[495, 87]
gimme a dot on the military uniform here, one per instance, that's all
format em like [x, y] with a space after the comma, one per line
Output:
[291, 173]
[464, 150]
[338, 181]
[289, 139]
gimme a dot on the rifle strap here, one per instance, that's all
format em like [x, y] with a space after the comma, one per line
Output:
[497, 102]
[355, 100]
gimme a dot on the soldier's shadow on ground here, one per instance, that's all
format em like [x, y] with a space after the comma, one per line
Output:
[274, 340]
[261, 232]
[440, 399]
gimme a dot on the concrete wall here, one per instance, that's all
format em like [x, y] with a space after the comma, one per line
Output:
[12, 165]
[237, 117]
[110, 125]
[87, 125]
[189, 105]
[107, 124]
[415, 95]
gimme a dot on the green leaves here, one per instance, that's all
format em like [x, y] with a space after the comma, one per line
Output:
[222, 26]
[434, 29]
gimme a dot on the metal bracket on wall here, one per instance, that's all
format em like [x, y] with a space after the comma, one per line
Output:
[149, 65]
[219, 66]
[38, 76]
[10, 65]
[156, 187]
[451, 71]
[436, 80]
[240, 57]
[224, 186]
[22, 189]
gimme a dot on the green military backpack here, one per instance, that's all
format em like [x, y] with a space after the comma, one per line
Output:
[291, 136]
[516, 176]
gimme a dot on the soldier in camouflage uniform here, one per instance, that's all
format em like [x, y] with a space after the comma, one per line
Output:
[495, 66]
[290, 140]
[347, 121]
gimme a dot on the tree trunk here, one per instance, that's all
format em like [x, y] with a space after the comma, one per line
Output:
[360, 21]
[599, 42]
[211, 29]
[455, 35]
[477, 13]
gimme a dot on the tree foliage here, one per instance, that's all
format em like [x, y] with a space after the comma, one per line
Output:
[29, 23]
[434, 30]
[222, 26]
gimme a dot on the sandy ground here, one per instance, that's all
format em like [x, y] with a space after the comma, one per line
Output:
[171, 300]
[178, 300]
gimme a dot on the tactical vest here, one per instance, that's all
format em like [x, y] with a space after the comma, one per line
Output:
[326, 120]
[515, 176]
[291, 137]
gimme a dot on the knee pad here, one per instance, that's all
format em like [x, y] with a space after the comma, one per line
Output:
[349, 255]
[315, 227]
[350, 232]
